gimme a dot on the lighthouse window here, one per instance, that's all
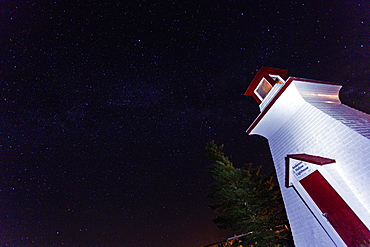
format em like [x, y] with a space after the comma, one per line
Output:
[263, 89]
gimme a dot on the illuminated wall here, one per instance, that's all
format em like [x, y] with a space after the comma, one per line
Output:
[306, 124]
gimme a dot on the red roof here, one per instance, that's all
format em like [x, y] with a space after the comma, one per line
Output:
[311, 158]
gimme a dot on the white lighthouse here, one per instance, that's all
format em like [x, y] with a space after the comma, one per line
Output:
[321, 153]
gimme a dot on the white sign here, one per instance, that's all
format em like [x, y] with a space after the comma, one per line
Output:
[301, 170]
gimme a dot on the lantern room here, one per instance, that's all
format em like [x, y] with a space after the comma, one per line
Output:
[266, 83]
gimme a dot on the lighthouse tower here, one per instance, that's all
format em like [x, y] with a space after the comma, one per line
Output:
[321, 153]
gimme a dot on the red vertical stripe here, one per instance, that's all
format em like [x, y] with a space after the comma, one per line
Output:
[349, 227]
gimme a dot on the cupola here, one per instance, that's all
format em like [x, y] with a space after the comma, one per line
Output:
[266, 84]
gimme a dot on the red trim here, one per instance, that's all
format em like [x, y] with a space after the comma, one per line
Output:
[318, 160]
[345, 222]
[257, 99]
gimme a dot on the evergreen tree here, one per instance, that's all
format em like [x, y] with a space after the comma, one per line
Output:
[247, 201]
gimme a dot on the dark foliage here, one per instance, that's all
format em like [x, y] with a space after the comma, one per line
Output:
[247, 201]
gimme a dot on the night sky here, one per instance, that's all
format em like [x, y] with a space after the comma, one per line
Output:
[106, 107]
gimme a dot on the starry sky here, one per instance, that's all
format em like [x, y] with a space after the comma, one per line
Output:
[106, 107]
